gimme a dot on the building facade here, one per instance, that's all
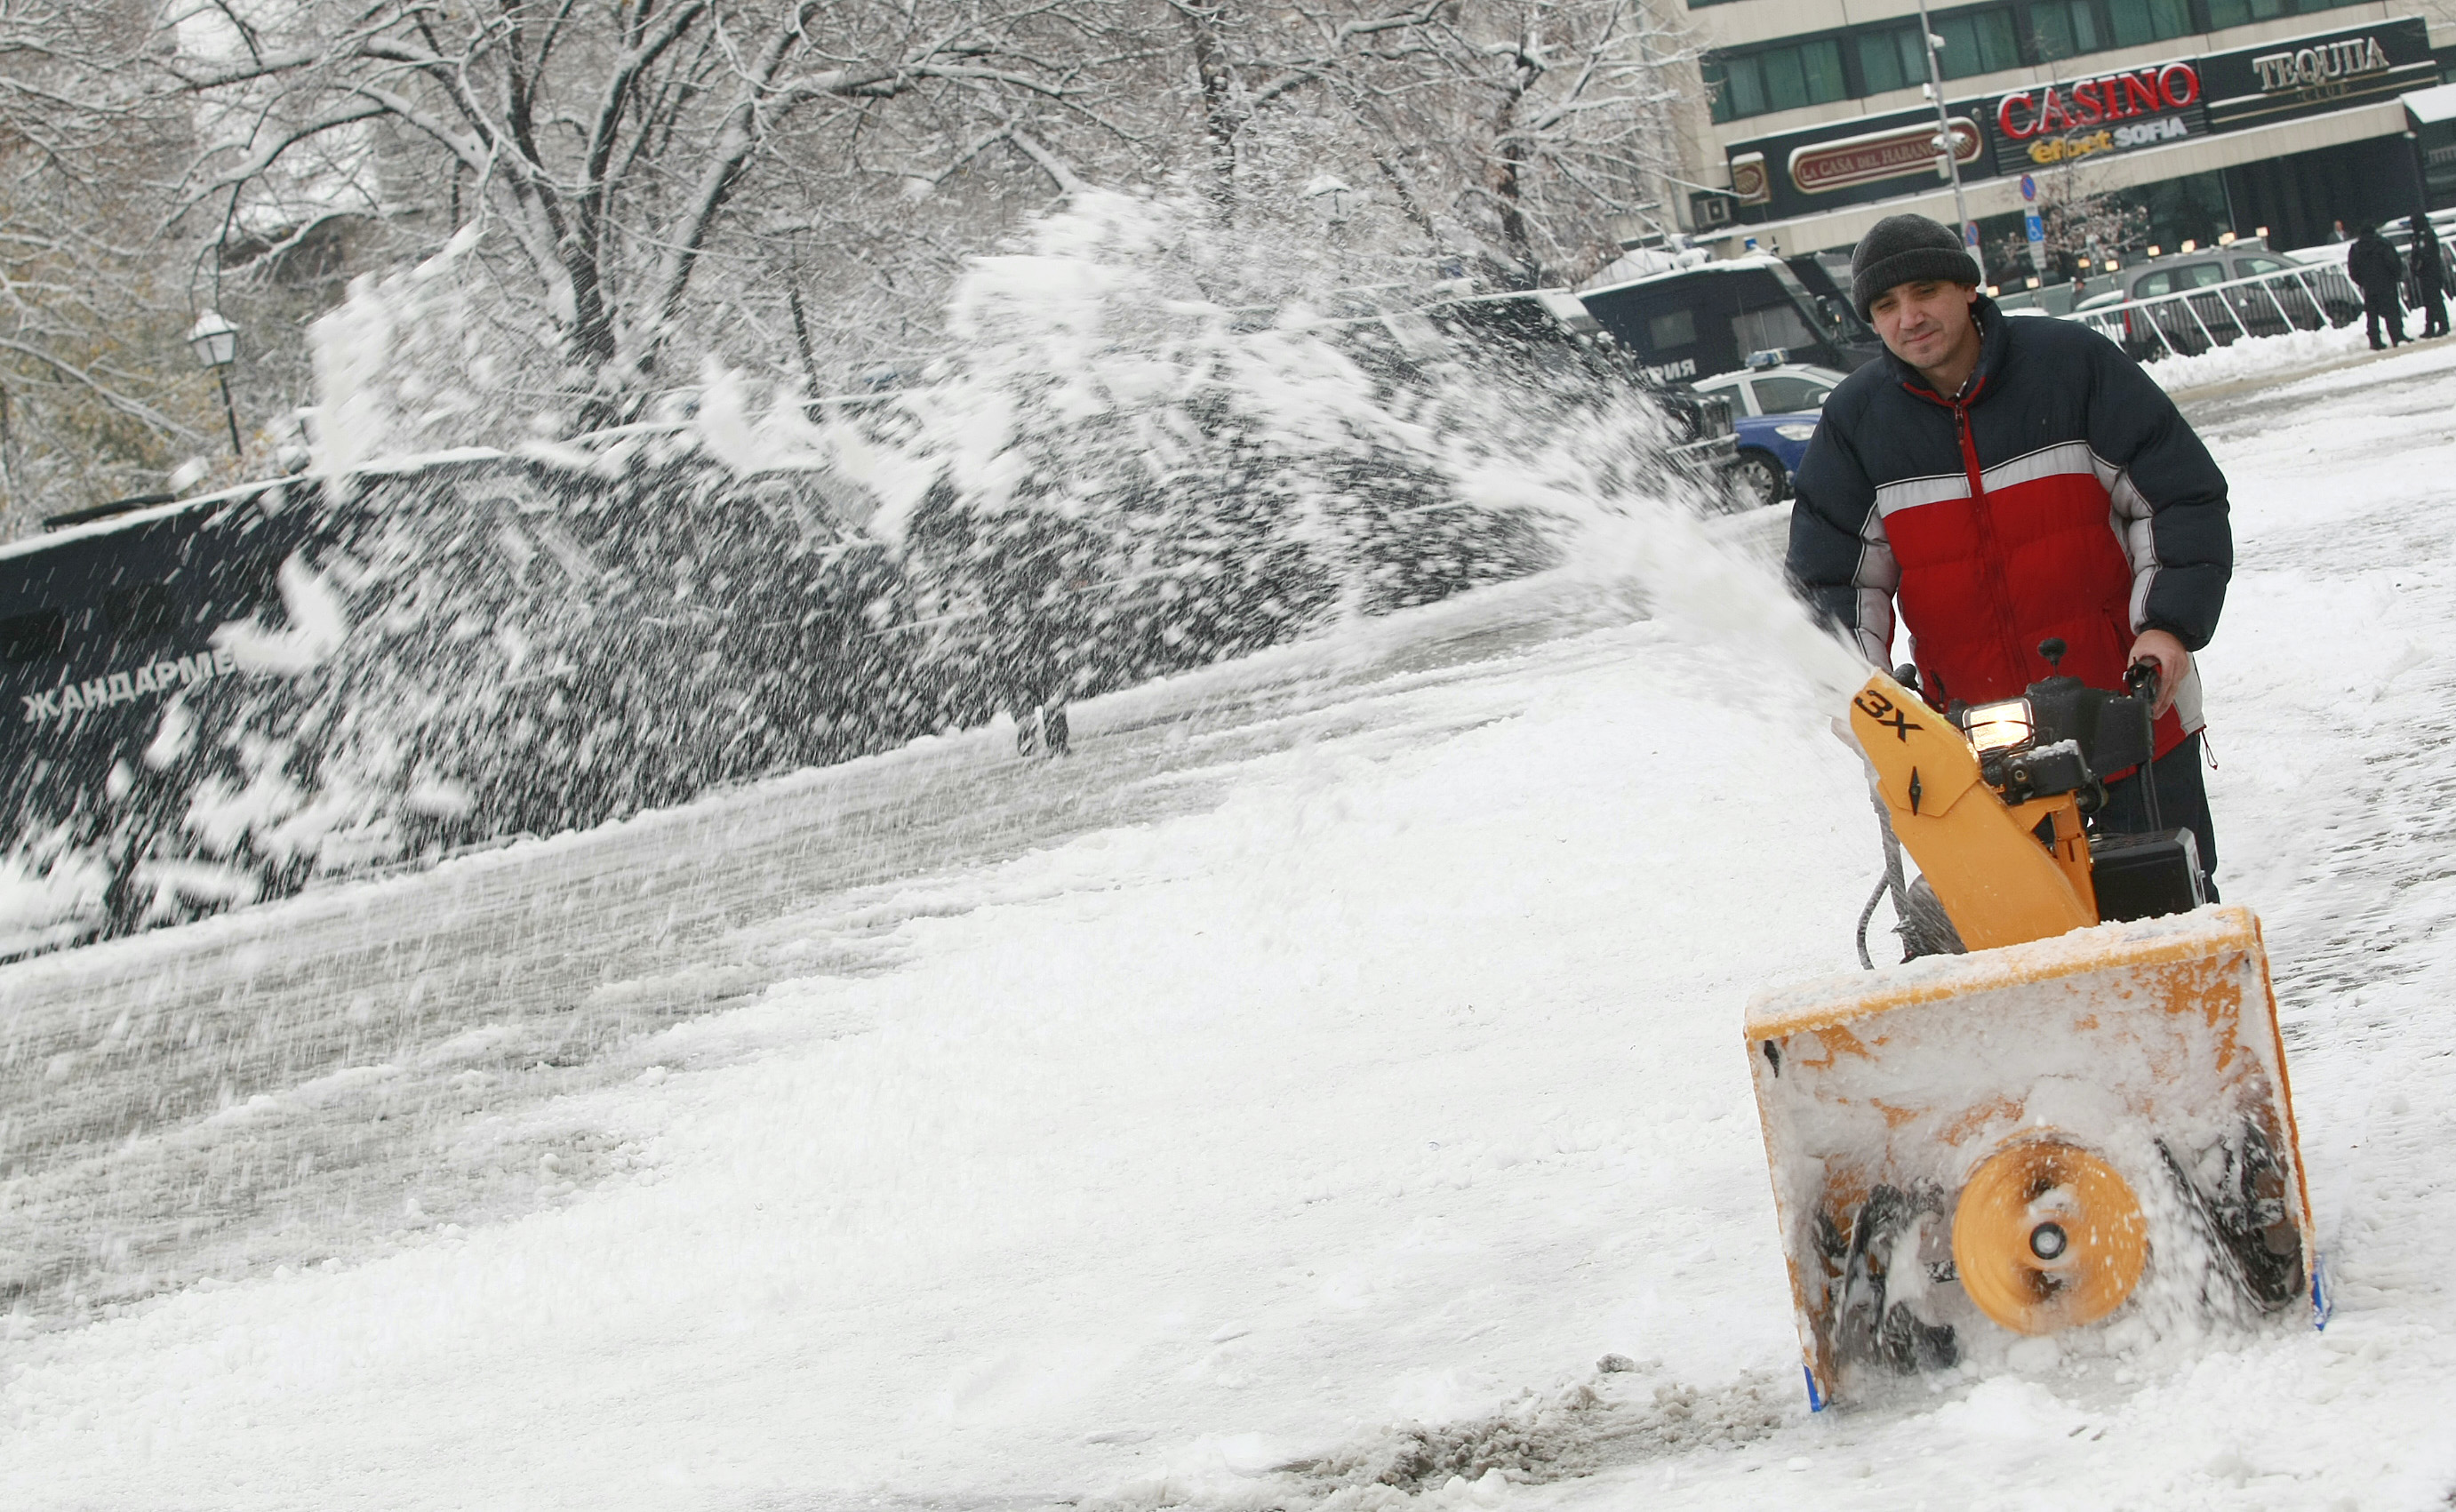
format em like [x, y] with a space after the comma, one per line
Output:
[2122, 123]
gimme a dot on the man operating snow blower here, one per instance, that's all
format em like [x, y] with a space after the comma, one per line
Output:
[2067, 1133]
[2014, 483]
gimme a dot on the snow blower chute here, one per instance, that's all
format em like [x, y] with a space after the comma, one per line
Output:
[2075, 1128]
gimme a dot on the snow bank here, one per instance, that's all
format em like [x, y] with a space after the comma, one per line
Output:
[2259, 357]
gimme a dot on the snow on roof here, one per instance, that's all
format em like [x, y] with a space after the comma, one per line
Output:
[1747, 264]
[2436, 104]
[105, 524]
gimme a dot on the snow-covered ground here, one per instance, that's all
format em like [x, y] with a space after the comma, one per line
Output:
[1288, 1100]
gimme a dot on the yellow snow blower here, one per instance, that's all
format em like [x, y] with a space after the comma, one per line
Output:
[2071, 1122]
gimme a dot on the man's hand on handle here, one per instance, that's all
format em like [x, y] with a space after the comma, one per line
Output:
[2173, 663]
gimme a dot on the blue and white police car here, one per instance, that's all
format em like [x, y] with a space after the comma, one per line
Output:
[1775, 410]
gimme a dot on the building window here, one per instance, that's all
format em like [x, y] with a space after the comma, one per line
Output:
[2140, 21]
[1978, 42]
[1779, 78]
[1758, 81]
[1888, 59]
[2065, 29]
[2243, 13]
[1977, 39]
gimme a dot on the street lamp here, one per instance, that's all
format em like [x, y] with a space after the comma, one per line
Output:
[216, 345]
[1931, 44]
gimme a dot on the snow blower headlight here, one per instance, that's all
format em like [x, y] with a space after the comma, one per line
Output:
[1997, 727]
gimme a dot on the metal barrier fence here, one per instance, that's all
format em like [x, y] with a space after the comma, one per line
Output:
[2189, 321]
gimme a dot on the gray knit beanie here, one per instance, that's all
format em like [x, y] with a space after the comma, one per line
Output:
[1904, 249]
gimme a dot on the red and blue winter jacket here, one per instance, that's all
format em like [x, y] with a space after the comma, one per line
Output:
[2061, 495]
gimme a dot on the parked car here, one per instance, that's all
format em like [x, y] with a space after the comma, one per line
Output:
[2222, 301]
[1775, 411]
[2055, 299]
[2400, 231]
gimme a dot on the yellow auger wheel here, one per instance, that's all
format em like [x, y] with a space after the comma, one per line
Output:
[2047, 1236]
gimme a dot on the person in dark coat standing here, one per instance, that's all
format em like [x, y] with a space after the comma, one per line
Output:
[2379, 272]
[2429, 278]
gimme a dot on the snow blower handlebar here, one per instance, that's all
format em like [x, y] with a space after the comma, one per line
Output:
[2142, 679]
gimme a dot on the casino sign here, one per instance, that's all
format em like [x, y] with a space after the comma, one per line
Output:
[2114, 113]
[2042, 125]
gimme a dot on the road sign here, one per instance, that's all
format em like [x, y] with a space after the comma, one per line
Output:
[2029, 186]
[2037, 230]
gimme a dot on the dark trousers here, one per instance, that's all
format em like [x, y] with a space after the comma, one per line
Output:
[2434, 310]
[2383, 305]
[2182, 804]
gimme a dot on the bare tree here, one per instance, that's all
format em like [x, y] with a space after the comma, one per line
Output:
[97, 396]
[639, 185]
[613, 147]
[2084, 221]
[607, 145]
[1511, 132]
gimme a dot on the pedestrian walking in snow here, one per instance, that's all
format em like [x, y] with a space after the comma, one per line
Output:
[2009, 483]
[2380, 274]
[2429, 278]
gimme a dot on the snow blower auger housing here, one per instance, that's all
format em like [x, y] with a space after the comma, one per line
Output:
[2078, 1127]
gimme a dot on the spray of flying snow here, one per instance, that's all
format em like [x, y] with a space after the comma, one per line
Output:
[318, 623]
[399, 369]
[48, 891]
[1149, 450]
[1130, 346]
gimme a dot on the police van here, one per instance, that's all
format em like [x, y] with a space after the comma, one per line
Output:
[212, 699]
[1713, 318]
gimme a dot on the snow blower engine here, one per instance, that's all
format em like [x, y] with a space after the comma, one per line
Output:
[2043, 755]
[2069, 1118]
